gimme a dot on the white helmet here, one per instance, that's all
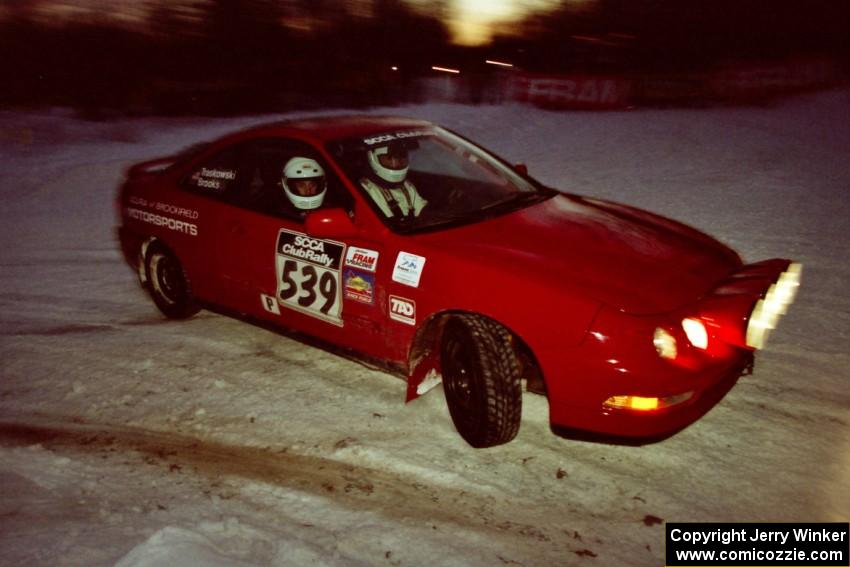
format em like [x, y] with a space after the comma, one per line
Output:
[304, 183]
[389, 163]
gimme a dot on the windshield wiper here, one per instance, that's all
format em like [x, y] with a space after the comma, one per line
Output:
[413, 224]
[516, 199]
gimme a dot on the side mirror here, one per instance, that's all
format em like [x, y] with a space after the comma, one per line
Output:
[329, 223]
[521, 168]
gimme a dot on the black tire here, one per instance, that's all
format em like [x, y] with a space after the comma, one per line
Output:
[167, 283]
[481, 380]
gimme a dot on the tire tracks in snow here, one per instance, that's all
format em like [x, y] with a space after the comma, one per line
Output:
[388, 494]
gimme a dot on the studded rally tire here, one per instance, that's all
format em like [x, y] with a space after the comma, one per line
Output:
[167, 283]
[481, 380]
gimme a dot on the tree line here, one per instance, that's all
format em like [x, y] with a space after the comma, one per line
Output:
[241, 56]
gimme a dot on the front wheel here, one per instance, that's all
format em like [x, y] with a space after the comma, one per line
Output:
[167, 283]
[481, 380]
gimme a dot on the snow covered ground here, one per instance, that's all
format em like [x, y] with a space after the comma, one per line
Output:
[128, 439]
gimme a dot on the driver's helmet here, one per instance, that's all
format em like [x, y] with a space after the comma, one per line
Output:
[304, 183]
[390, 163]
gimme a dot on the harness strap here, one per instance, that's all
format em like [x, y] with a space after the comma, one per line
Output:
[395, 208]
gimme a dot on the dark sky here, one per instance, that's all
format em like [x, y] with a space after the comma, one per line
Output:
[738, 21]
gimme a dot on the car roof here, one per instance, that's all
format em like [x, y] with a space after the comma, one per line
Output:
[327, 128]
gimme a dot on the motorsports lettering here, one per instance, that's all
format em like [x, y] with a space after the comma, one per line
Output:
[308, 275]
[157, 219]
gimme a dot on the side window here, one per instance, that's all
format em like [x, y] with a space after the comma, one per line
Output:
[260, 172]
[216, 176]
[260, 168]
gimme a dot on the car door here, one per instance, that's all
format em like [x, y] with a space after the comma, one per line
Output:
[197, 201]
[275, 270]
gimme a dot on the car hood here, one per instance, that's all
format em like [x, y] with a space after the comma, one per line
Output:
[624, 257]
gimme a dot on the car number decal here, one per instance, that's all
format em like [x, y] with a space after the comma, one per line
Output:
[308, 275]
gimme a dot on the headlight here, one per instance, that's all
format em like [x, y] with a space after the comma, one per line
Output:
[665, 343]
[767, 311]
[696, 333]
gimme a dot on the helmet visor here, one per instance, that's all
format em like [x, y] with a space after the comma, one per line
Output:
[394, 158]
[307, 187]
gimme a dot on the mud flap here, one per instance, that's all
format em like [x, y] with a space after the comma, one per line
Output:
[425, 376]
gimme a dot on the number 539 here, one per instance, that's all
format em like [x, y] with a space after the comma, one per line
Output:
[300, 286]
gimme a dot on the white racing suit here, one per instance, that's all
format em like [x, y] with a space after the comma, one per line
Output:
[403, 200]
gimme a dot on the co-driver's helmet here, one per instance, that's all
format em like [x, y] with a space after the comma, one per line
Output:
[390, 163]
[304, 183]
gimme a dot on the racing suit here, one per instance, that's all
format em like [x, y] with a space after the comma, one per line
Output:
[401, 201]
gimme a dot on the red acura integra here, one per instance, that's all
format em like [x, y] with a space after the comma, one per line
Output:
[404, 243]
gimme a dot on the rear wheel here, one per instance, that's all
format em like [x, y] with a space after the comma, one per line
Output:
[481, 380]
[167, 283]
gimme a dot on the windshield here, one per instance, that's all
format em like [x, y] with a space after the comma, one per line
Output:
[428, 178]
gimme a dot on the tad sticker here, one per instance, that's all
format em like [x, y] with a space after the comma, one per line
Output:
[308, 275]
[408, 269]
[403, 310]
[359, 286]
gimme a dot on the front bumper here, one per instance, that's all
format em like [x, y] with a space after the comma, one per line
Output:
[656, 424]
[615, 383]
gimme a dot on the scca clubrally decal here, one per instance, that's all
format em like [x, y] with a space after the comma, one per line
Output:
[308, 275]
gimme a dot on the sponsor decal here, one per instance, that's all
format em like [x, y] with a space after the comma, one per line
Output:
[359, 286]
[573, 91]
[175, 210]
[301, 246]
[270, 304]
[408, 269]
[161, 220]
[361, 258]
[395, 136]
[308, 275]
[403, 310]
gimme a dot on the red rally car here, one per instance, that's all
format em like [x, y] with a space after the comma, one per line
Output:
[404, 243]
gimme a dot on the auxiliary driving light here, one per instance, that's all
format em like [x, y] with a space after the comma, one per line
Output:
[640, 403]
[665, 343]
[767, 311]
[696, 333]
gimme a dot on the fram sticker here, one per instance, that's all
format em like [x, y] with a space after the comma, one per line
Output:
[403, 310]
[359, 286]
[362, 258]
[408, 269]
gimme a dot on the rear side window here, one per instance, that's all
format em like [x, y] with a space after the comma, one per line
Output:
[260, 171]
[216, 176]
